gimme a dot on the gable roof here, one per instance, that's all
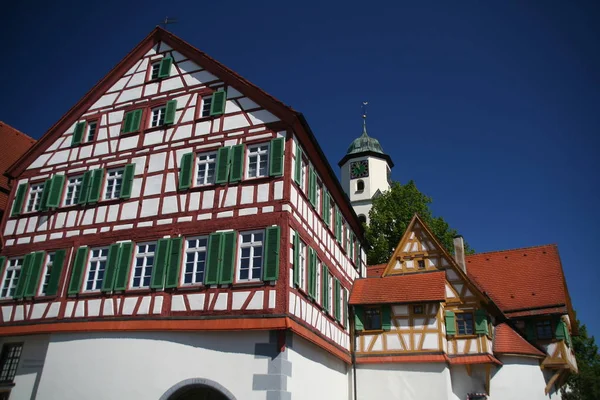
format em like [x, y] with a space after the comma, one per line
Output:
[527, 280]
[275, 106]
[508, 341]
[428, 286]
[13, 144]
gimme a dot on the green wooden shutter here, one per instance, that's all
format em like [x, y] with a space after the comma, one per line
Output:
[164, 69]
[450, 323]
[337, 299]
[386, 317]
[136, 120]
[228, 255]
[276, 157]
[172, 279]
[56, 190]
[272, 243]
[338, 225]
[312, 186]
[123, 265]
[359, 316]
[42, 205]
[357, 255]
[237, 162]
[2, 262]
[186, 171]
[311, 273]
[345, 309]
[81, 258]
[223, 162]
[110, 273]
[17, 206]
[163, 249]
[211, 273]
[298, 165]
[85, 187]
[78, 134]
[127, 185]
[296, 259]
[96, 185]
[57, 267]
[530, 330]
[481, 322]
[325, 275]
[560, 331]
[326, 207]
[217, 106]
[127, 121]
[33, 279]
[24, 276]
[170, 112]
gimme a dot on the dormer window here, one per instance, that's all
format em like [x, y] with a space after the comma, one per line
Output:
[158, 116]
[543, 330]
[372, 318]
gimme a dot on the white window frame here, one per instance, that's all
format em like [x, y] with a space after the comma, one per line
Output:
[113, 190]
[319, 282]
[318, 197]
[146, 269]
[95, 270]
[330, 293]
[205, 106]
[303, 261]
[34, 197]
[155, 69]
[157, 116]
[73, 190]
[303, 168]
[48, 263]
[205, 163]
[253, 244]
[195, 251]
[10, 277]
[261, 153]
[89, 132]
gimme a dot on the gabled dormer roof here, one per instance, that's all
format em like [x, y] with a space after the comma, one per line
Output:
[399, 289]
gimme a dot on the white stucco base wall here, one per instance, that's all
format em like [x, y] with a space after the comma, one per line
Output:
[146, 365]
[31, 364]
[520, 378]
[410, 381]
[316, 374]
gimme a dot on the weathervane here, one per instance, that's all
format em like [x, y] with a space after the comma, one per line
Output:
[168, 21]
[364, 115]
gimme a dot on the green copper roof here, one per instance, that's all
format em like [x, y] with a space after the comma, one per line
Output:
[365, 143]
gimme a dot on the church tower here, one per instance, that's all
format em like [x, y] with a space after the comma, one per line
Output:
[366, 172]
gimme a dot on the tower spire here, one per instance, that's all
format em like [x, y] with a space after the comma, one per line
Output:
[364, 116]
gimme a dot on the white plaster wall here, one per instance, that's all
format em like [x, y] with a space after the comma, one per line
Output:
[30, 366]
[144, 365]
[520, 378]
[316, 374]
[408, 381]
[463, 384]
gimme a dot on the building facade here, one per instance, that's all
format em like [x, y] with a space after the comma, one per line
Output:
[179, 234]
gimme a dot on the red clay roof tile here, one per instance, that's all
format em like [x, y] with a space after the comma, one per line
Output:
[474, 359]
[408, 358]
[428, 286]
[507, 341]
[520, 279]
[375, 271]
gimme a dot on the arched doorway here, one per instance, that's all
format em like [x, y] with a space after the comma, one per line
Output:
[198, 389]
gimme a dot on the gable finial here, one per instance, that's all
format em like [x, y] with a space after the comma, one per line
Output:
[168, 21]
[364, 116]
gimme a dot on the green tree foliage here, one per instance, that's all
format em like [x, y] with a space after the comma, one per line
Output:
[586, 384]
[390, 216]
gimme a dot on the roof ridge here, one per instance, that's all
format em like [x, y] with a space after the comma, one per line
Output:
[514, 249]
[16, 130]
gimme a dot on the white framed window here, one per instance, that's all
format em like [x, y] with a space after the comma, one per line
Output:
[331, 216]
[144, 263]
[303, 168]
[302, 260]
[330, 294]
[11, 277]
[155, 70]
[206, 164]
[46, 273]
[205, 107]
[195, 260]
[157, 116]
[114, 182]
[250, 249]
[96, 266]
[73, 190]
[35, 197]
[319, 283]
[318, 197]
[258, 161]
[91, 131]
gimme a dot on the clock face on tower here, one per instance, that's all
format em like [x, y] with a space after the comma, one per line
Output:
[359, 169]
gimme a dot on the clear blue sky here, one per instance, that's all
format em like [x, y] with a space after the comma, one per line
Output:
[493, 109]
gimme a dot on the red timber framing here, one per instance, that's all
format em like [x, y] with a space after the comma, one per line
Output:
[156, 153]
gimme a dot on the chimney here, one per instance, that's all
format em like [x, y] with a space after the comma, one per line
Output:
[459, 252]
